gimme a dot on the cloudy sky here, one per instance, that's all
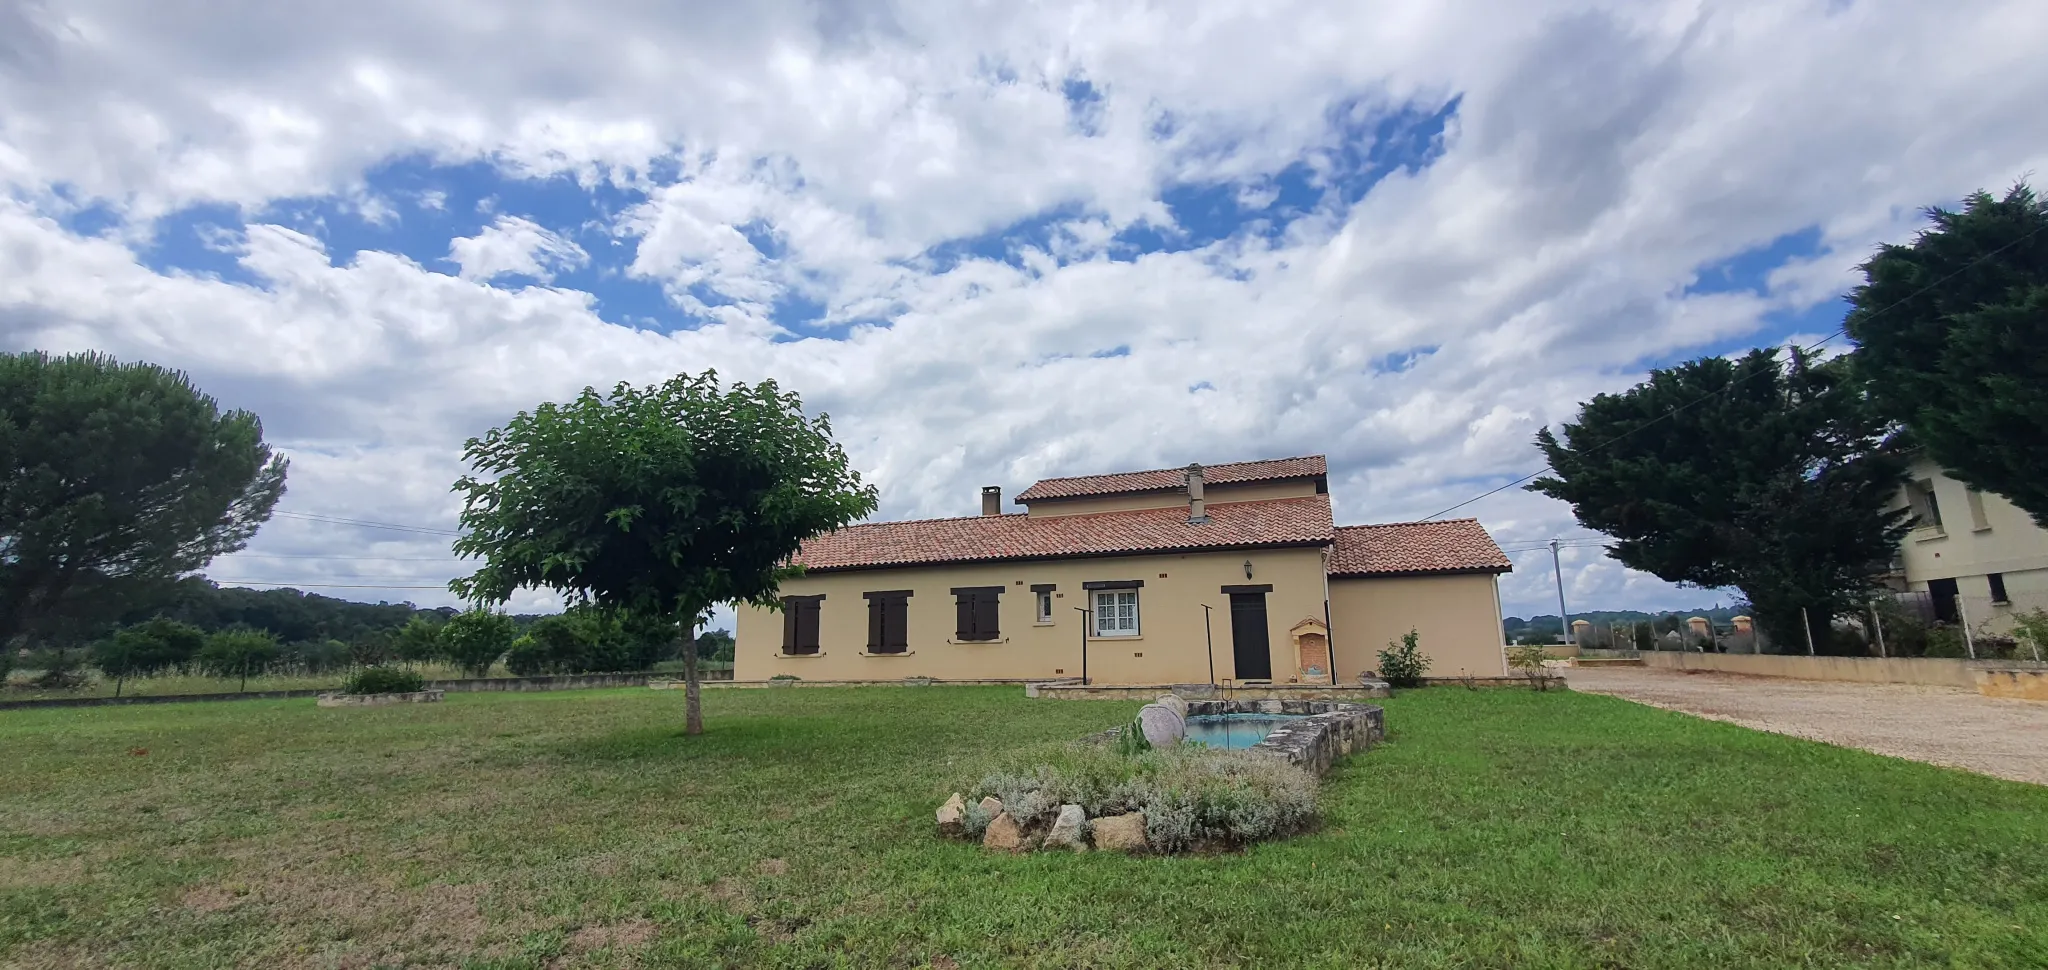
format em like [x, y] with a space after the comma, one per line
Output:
[995, 241]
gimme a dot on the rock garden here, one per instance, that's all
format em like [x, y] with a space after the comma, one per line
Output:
[1146, 787]
[377, 686]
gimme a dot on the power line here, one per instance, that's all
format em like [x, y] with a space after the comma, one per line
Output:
[260, 555]
[363, 523]
[1839, 331]
[254, 582]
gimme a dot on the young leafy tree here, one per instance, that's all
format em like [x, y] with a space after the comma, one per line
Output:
[475, 639]
[1952, 335]
[418, 641]
[146, 648]
[716, 645]
[115, 479]
[1748, 473]
[237, 653]
[658, 502]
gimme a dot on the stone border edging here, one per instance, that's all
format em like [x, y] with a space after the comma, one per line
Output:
[338, 699]
[1328, 730]
[1069, 690]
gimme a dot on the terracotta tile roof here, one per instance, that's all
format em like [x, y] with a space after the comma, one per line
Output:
[1403, 548]
[995, 538]
[1160, 479]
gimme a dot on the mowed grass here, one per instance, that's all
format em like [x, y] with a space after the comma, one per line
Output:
[582, 828]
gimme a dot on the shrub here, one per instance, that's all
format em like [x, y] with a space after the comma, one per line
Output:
[317, 657]
[475, 639]
[237, 652]
[384, 680]
[418, 641]
[2030, 629]
[1946, 640]
[1403, 664]
[1131, 739]
[528, 657]
[148, 647]
[1192, 796]
[1529, 660]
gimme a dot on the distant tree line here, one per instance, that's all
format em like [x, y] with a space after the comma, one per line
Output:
[239, 633]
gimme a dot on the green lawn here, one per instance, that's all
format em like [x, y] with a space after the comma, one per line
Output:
[1502, 828]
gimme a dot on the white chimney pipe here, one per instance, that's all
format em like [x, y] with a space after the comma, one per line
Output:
[1198, 510]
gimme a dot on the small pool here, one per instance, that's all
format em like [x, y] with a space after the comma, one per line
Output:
[1235, 730]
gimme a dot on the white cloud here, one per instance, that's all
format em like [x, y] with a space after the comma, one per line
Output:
[1601, 154]
[513, 246]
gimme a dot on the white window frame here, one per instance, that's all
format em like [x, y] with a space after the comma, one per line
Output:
[1099, 614]
[1043, 599]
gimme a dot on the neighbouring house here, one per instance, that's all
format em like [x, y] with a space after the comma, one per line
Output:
[1972, 556]
[1234, 573]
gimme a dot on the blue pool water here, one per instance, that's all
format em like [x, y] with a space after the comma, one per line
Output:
[1235, 730]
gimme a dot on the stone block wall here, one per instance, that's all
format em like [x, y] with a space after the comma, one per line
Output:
[1328, 730]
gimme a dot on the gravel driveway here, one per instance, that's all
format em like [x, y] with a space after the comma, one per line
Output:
[1938, 725]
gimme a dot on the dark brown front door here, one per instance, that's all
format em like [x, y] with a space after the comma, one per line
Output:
[1248, 638]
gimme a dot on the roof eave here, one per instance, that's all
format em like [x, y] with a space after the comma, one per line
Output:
[1115, 554]
[1410, 573]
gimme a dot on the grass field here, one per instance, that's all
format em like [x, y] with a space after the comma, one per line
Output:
[1502, 828]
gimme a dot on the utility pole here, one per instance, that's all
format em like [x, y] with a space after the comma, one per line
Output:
[1564, 618]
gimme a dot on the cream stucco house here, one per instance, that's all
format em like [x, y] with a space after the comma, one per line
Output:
[1976, 556]
[1233, 573]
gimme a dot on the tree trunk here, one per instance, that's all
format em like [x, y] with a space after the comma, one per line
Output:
[693, 710]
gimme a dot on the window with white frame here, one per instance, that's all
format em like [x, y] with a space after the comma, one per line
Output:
[1044, 597]
[1116, 612]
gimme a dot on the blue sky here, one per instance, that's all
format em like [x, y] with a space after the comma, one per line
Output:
[1054, 240]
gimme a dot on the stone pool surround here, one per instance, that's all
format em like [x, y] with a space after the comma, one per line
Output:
[1327, 730]
[1070, 690]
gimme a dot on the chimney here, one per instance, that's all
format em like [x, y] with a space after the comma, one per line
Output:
[1198, 510]
[991, 500]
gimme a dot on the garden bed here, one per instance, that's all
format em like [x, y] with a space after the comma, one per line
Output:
[1145, 788]
[380, 700]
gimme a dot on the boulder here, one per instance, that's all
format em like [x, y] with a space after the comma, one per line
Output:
[1121, 833]
[951, 815]
[990, 806]
[1003, 834]
[1162, 726]
[1174, 702]
[1066, 829]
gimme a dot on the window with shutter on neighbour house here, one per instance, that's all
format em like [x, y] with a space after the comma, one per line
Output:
[975, 609]
[1979, 522]
[888, 621]
[800, 624]
[1926, 509]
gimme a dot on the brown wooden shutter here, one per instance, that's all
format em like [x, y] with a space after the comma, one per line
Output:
[878, 624]
[807, 626]
[986, 626]
[896, 624]
[963, 615]
[790, 604]
[975, 612]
